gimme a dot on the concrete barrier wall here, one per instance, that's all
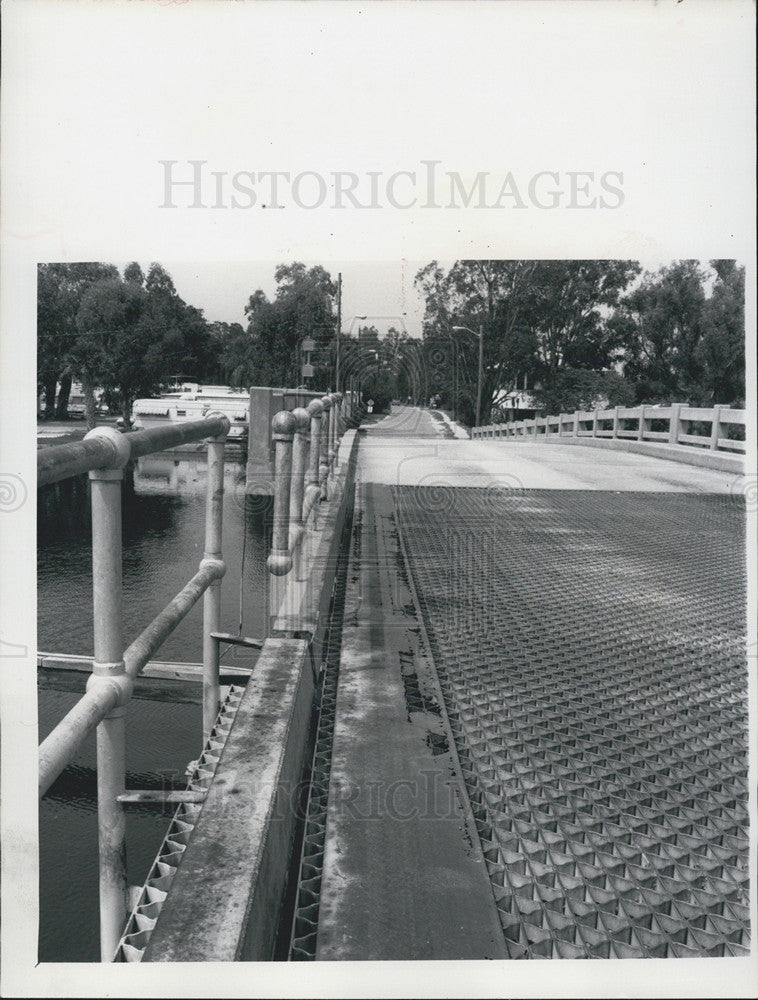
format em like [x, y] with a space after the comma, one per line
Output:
[609, 429]
[264, 403]
[225, 900]
[682, 429]
[672, 453]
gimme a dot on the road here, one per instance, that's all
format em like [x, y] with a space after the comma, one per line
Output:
[408, 448]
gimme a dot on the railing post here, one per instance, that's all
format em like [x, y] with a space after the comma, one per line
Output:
[616, 421]
[283, 426]
[299, 472]
[313, 492]
[594, 423]
[674, 423]
[337, 431]
[333, 414]
[575, 432]
[108, 668]
[716, 428]
[323, 469]
[214, 514]
[641, 424]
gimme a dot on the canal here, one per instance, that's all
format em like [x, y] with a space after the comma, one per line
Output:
[163, 528]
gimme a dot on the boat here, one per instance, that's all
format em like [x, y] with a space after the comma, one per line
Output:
[192, 401]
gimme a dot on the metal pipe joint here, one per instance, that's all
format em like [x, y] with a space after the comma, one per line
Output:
[121, 448]
[217, 567]
[121, 682]
[218, 438]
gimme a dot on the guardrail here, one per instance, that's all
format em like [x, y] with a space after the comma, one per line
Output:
[677, 420]
[306, 443]
[104, 453]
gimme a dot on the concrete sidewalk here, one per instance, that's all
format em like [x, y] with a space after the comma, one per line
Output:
[404, 876]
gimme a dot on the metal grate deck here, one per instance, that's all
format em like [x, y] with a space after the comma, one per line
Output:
[591, 651]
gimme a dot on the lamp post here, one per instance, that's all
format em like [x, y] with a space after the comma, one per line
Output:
[480, 335]
[339, 333]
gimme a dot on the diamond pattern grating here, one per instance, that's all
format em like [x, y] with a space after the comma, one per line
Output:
[304, 934]
[142, 920]
[591, 651]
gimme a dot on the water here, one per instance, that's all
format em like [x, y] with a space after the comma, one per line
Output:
[164, 522]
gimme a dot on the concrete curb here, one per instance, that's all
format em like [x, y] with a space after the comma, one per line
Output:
[688, 456]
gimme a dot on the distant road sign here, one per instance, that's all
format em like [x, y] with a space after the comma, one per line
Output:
[308, 345]
[307, 371]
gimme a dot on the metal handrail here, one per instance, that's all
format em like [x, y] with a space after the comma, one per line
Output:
[61, 745]
[102, 447]
[104, 453]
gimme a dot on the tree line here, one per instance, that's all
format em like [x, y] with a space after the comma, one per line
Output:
[575, 333]
[123, 334]
[126, 334]
[586, 333]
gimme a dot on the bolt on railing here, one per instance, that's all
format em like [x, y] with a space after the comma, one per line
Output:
[104, 453]
[306, 446]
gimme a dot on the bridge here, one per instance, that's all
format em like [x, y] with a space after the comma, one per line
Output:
[502, 713]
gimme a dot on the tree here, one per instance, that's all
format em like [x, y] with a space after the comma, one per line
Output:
[583, 389]
[567, 317]
[231, 345]
[181, 333]
[302, 308]
[134, 275]
[721, 351]
[126, 335]
[491, 294]
[115, 348]
[60, 288]
[538, 318]
[680, 343]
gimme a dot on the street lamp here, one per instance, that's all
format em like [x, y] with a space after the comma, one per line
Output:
[480, 335]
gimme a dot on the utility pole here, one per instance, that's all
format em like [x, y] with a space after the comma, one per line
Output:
[479, 376]
[480, 335]
[339, 333]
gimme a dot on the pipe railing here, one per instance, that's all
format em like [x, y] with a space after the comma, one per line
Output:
[306, 446]
[104, 453]
[680, 426]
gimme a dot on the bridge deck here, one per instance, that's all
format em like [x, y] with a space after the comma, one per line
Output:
[586, 624]
[590, 649]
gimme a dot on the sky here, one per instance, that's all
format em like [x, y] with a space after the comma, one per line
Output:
[383, 291]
